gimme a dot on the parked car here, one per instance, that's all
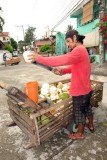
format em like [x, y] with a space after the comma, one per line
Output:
[15, 54]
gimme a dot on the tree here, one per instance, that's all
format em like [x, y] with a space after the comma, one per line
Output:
[9, 48]
[44, 48]
[69, 27]
[29, 35]
[1, 21]
[13, 43]
[20, 45]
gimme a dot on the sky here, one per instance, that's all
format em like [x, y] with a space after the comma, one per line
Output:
[41, 14]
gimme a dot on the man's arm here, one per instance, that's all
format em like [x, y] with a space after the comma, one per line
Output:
[67, 70]
[70, 58]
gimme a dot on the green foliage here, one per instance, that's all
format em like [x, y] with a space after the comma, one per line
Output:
[20, 45]
[44, 48]
[103, 27]
[69, 27]
[13, 43]
[29, 35]
[92, 59]
[1, 22]
[9, 48]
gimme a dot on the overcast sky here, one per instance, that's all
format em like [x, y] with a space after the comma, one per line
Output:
[36, 13]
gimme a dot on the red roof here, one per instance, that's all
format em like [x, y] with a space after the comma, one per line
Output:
[41, 43]
[4, 34]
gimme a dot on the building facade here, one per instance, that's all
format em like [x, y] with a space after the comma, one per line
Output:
[87, 14]
[5, 37]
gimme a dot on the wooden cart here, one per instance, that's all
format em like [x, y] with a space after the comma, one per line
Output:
[13, 61]
[39, 130]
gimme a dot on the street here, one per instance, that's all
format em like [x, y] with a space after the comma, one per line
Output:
[59, 147]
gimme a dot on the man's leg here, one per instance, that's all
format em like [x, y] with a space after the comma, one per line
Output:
[90, 122]
[5, 63]
[79, 119]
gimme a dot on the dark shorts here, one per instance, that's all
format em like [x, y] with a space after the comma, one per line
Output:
[81, 108]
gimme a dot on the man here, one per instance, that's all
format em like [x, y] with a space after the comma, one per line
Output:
[80, 89]
[4, 58]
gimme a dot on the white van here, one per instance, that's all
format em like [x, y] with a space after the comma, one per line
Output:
[15, 54]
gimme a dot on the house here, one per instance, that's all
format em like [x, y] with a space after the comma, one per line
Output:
[87, 14]
[5, 37]
[44, 41]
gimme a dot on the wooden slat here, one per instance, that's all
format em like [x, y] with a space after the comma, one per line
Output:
[40, 100]
[54, 106]
[16, 101]
[63, 81]
[51, 128]
[22, 127]
[29, 128]
[56, 119]
[49, 134]
[36, 130]
[20, 113]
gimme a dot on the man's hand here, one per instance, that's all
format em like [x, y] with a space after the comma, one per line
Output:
[57, 71]
[33, 56]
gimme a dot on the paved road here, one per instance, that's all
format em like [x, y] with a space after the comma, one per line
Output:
[93, 147]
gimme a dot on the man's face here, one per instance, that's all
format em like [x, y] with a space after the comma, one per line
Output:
[71, 43]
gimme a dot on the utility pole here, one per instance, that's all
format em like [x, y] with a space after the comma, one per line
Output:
[101, 36]
[22, 28]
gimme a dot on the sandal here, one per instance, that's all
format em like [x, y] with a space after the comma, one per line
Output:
[76, 136]
[91, 129]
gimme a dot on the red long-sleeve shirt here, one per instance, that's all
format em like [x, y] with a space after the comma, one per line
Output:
[80, 68]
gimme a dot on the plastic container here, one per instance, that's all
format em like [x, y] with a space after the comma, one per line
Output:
[26, 56]
[31, 90]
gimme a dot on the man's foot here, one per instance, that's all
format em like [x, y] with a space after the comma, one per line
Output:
[90, 127]
[76, 136]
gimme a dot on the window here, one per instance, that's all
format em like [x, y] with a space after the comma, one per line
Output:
[88, 12]
[4, 38]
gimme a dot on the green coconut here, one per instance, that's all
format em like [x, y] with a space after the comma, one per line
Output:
[64, 96]
[44, 119]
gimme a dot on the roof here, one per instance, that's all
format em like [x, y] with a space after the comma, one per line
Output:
[41, 43]
[4, 33]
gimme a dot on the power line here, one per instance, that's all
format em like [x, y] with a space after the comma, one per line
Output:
[57, 5]
[66, 10]
[35, 4]
[62, 11]
[67, 14]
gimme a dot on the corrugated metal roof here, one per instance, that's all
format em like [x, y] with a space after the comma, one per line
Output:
[4, 34]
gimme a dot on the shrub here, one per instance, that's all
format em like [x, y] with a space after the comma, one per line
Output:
[9, 48]
[92, 59]
[45, 48]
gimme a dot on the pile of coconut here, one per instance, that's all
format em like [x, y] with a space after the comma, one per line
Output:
[55, 93]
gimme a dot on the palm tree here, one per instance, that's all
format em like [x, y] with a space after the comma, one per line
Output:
[1, 22]
[69, 27]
